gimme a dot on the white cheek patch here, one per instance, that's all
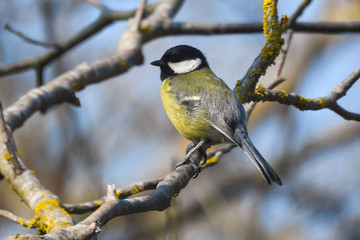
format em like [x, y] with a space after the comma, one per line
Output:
[185, 66]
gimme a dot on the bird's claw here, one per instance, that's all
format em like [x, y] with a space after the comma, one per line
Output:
[204, 158]
[186, 159]
[201, 150]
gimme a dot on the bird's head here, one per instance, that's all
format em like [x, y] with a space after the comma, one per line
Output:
[180, 59]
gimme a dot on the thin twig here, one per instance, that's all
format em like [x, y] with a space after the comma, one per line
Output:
[11, 151]
[328, 27]
[298, 12]
[121, 193]
[98, 5]
[39, 75]
[290, 32]
[344, 113]
[283, 53]
[340, 90]
[12, 217]
[30, 40]
[139, 14]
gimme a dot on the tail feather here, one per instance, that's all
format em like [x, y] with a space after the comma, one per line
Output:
[261, 164]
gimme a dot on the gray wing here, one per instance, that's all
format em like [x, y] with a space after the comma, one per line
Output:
[230, 121]
[225, 112]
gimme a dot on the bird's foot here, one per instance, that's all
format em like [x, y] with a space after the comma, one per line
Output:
[200, 149]
[190, 150]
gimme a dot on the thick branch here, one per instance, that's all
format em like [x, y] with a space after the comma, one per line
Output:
[49, 215]
[113, 207]
[63, 88]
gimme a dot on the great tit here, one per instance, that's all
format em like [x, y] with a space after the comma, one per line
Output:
[203, 108]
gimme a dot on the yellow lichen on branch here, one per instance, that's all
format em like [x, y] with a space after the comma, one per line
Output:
[299, 102]
[273, 29]
[46, 221]
[7, 156]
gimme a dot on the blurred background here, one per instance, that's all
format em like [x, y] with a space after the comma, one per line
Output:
[121, 134]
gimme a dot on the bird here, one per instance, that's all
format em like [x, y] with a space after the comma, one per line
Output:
[203, 108]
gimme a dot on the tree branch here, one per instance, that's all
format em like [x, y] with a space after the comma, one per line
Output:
[273, 31]
[120, 193]
[105, 19]
[63, 88]
[328, 27]
[251, 105]
[302, 103]
[49, 215]
[12, 217]
[193, 28]
[298, 13]
[139, 14]
[113, 207]
[98, 5]
[340, 90]
[290, 31]
[173, 29]
[29, 40]
[10, 152]
[344, 113]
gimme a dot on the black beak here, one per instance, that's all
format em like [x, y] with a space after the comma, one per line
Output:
[157, 63]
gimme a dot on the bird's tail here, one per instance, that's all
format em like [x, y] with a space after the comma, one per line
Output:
[261, 164]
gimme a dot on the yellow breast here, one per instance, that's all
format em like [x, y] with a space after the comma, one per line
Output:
[193, 128]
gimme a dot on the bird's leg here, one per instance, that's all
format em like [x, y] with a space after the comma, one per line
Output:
[190, 150]
[200, 149]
